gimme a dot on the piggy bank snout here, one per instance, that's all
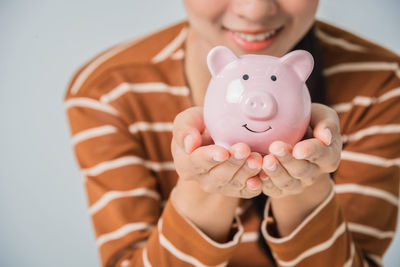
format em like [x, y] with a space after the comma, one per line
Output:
[259, 105]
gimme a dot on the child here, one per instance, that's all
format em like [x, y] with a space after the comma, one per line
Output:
[161, 194]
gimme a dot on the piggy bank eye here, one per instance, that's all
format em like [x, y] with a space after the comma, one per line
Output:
[245, 77]
[273, 78]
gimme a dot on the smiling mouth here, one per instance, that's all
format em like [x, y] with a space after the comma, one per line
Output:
[247, 128]
[256, 36]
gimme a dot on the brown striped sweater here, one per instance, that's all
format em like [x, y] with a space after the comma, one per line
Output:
[121, 106]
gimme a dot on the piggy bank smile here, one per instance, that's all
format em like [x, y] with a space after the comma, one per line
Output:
[248, 94]
[253, 131]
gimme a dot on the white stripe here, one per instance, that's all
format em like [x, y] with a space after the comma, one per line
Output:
[388, 95]
[111, 195]
[171, 47]
[124, 161]
[112, 164]
[375, 258]
[125, 263]
[93, 132]
[94, 64]
[343, 107]
[343, 43]
[124, 230]
[249, 237]
[369, 159]
[377, 129]
[240, 210]
[89, 103]
[371, 231]
[145, 258]
[349, 262]
[150, 126]
[178, 55]
[362, 66]
[366, 100]
[316, 249]
[143, 88]
[366, 190]
[160, 166]
[179, 254]
[139, 244]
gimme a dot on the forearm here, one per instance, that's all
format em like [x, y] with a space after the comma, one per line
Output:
[212, 213]
[291, 210]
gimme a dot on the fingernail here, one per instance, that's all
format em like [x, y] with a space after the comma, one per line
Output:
[253, 184]
[281, 152]
[237, 155]
[219, 158]
[300, 154]
[263, 176]
[253, 188]
[278, 149]
[326, 136]
[188, 143]
[252, 164]
[270, 164]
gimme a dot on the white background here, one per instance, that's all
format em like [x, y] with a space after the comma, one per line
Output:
[43, 214]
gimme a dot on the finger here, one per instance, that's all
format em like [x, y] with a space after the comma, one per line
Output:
[252, 188]
[325, 122]
[279, 175]
[327, 158]
[296, 168]
[268, 187]
[251, 168]
[254, 182]
[205, 158]
[187, 128]
[329, 135]
[225, 171]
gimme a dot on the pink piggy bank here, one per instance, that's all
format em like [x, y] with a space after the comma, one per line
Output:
[257, 99]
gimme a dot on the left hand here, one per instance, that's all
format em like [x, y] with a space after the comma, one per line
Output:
[289, 170]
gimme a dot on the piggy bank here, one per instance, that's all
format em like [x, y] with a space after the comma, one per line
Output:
[257, 99]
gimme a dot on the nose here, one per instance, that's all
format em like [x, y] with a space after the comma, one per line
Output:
[258, 105]
[254, 10]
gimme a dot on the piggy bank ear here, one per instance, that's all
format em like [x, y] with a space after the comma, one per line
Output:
[218, 58]
[301, 61]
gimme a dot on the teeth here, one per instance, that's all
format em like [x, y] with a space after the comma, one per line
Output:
[255, 37]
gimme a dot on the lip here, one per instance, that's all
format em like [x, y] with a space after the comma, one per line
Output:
[252, 46]
[247, 128]
[255, 31]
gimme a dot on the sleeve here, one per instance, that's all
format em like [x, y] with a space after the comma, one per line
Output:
[356, 223]
[125, 205]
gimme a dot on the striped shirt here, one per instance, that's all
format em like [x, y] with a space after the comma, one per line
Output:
[121, 106]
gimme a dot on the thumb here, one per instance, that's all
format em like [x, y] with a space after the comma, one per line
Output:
[187, 128]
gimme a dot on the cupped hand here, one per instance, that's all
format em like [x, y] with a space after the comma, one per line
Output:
[289, 170]
[231, 172]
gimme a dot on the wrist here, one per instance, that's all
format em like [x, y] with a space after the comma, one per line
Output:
[291, 210]
[211, 213]
[189, 198]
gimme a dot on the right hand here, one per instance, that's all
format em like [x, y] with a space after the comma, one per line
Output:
[217, 170]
